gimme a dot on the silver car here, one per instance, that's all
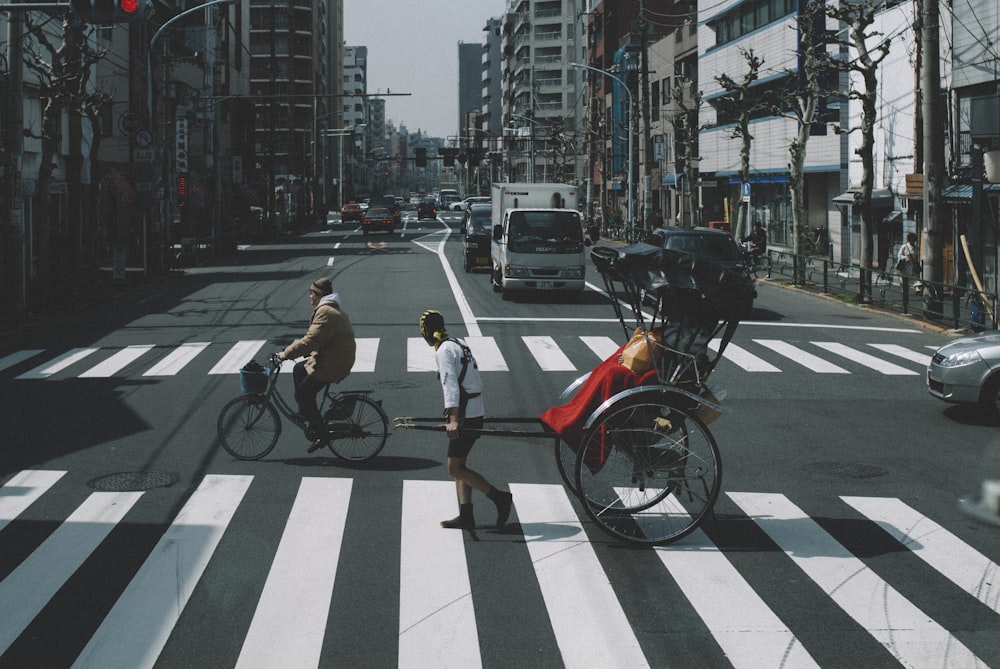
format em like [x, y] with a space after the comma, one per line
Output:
[967, 371]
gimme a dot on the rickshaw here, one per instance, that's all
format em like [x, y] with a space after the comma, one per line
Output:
[634, 444]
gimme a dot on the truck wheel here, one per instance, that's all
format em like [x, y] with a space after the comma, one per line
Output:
[494, 279]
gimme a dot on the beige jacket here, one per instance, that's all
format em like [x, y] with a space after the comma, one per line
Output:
[329, 342]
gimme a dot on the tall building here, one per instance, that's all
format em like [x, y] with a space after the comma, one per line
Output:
[289, 81]
[541, 91]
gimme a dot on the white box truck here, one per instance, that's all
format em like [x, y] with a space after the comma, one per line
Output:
[539, 242]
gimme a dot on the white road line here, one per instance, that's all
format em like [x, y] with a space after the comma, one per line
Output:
[240, 354]
[904, 630]
[590, 626]
[904, 353]
[471, 326]
[26, 591]
[177, 359]
[487, 354]
[364, 359]
[290, 620]
[963, 565]
[19, 356]
[117, 362]
[861, 358]
[437, 621]
[603, 347]
[23, 489]
[548, 355]
[804, 358]
[62, 362]
[419, 356]
[743, 358]
[137, 627]
[746, 628]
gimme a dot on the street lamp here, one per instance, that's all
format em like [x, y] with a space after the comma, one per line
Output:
[339, 134]
[631, 111]
[545, 164]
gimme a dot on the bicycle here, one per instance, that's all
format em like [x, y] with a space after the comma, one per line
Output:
[249, 425]
[754, 260]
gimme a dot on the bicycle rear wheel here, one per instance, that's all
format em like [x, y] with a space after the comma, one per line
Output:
[647, 472]
[359, 434]
[248, 427]
[565, 463]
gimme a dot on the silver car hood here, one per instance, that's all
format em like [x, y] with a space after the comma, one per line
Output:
[986, 343]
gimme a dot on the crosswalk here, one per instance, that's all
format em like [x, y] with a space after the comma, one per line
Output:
[546, 353]
[437, 627]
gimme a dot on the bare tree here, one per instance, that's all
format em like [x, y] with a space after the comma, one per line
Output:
[802, 104]
[859, 17]
[743, 106]
[685, 124]
[63, 72]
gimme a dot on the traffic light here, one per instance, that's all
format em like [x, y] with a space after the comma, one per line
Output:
[420, 156]
[108, 12]
[448, 155]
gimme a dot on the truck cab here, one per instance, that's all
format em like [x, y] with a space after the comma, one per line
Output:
[538, 250]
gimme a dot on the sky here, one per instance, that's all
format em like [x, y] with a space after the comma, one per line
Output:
[413, 48]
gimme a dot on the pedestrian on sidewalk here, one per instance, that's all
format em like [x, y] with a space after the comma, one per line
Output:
[908, 263]
[464, 409]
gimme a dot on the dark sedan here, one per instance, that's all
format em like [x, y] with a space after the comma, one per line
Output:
[426, 208]
[477, 229]
[377, 218]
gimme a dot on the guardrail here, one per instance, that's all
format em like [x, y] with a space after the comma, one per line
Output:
[944, 303]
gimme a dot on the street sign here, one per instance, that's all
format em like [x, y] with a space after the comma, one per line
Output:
[746, 192]
[129, 122]
[140, 155]
[143, 138]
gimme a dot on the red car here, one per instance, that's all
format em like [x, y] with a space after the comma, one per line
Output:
[351, 211]
[377, 219]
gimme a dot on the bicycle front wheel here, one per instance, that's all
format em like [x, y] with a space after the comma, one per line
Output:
[647, 472]
[248, 427]
[360, 433]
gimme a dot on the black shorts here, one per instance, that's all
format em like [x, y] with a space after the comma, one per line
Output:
[459, 448]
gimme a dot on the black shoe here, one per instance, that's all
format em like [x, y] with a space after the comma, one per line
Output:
[465, 520]
[316, 445]
[504, 502]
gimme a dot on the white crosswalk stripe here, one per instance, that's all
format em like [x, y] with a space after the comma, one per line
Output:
[545, 352]
[437, 622]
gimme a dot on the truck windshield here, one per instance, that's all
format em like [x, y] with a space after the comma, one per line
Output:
[545, 232]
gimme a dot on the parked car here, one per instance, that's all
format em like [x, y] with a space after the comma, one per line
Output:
[477, 228]
[718, 245]
[351, 211]
[427, 208]
[377, 218]
[967, 371]
[463, 205]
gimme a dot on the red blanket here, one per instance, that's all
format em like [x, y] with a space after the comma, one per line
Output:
[607, 379]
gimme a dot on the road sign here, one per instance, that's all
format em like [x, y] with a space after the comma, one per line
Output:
[746, 192]
[140, 155]
[143, 138]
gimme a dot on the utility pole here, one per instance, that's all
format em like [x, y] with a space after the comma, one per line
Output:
[933, 151]
[14, 255]
[647, 147]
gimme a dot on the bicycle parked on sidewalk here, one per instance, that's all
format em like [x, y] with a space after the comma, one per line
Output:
[249, 425]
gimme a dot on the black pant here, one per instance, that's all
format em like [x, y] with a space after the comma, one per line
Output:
[306, 389]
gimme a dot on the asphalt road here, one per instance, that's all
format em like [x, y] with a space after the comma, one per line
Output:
[836, 540]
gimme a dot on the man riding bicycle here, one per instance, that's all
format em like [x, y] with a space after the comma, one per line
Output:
[330, 349]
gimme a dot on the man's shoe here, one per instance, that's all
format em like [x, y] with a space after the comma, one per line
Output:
[465, 520]
[504, 502]
[316, 445]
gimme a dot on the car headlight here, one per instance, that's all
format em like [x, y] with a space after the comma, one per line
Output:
[960, 359]
[516, 271]
[574, 272]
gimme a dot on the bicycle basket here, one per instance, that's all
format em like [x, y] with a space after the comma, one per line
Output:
[253, 379]
[342, 409]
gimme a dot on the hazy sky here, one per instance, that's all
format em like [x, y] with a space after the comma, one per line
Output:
[413, 48]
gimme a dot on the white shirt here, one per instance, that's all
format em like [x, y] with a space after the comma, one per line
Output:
[449, 363]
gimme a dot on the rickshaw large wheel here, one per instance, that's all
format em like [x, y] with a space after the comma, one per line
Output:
[647, 471]
[566, 463]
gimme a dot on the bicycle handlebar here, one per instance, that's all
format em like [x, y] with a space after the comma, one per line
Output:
[274, 361]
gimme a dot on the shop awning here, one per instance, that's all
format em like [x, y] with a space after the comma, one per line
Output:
[881, 198]
[963, 192]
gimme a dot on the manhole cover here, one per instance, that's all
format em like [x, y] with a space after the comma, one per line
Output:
[393, 385]
[133, 481]
[846, 469]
